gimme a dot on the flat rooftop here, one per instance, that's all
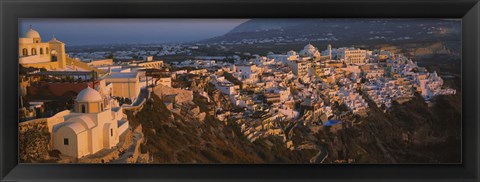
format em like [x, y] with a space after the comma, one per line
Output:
[123, 75]
[64, 73]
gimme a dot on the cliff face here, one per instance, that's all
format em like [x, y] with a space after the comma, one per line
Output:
[411, 132]
[172, 138]
[221, 100]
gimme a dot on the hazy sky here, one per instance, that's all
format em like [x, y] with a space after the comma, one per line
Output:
[103, 31]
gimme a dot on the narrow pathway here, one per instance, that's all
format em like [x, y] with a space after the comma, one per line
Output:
[141, 96]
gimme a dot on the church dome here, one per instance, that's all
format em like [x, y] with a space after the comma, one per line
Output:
[54, 40]
[309, 47]
[31, 33]
[89, 95]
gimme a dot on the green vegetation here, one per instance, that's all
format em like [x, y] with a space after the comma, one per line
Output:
[123, 100]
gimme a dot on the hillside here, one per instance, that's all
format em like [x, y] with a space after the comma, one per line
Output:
[411, 132]
[173, 138]
[408, 133]
[345, 30]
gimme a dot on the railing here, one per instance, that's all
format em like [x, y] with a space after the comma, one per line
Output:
[85, 66]
[135, 108]
[123, 127]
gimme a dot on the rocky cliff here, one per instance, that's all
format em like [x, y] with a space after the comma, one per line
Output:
[33, 141]
[173, 138]
[413, 132]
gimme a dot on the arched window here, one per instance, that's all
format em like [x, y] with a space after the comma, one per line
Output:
[83, 109]
[34, 51]
[46, 50]
[53, 55]
[41, 50]
[24, 51]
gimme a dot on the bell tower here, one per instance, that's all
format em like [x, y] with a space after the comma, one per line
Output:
[58, 48]
[329, 47]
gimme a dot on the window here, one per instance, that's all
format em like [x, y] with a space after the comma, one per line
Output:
[83, 109]
[53, 54]
[41, 50]
[101, 107]
[111, 131]
[65, 141]
[46, 50]
[34, 51]
[24, 51]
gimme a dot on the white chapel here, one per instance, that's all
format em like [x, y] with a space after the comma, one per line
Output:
[95, 123]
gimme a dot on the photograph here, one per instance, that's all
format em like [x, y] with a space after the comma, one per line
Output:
[240, 91]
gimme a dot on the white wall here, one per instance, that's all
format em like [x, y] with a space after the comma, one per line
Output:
[72, 148]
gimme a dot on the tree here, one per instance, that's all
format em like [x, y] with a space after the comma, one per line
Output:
[128, 101]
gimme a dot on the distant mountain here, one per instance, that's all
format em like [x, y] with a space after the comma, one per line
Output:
[341, 30]
[257, 25]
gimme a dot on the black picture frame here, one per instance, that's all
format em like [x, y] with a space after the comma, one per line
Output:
[467, 10]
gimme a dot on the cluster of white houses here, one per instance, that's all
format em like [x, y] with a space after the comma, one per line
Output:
[132, 52]
[269, 89]
[288, 86]
[96, 120]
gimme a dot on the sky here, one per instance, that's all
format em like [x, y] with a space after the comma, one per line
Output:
[113, 31]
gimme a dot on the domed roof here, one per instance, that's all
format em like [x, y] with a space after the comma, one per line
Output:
[308, 47]
[88, 95]
[31, 33]
[291, 52]
[54, 40]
